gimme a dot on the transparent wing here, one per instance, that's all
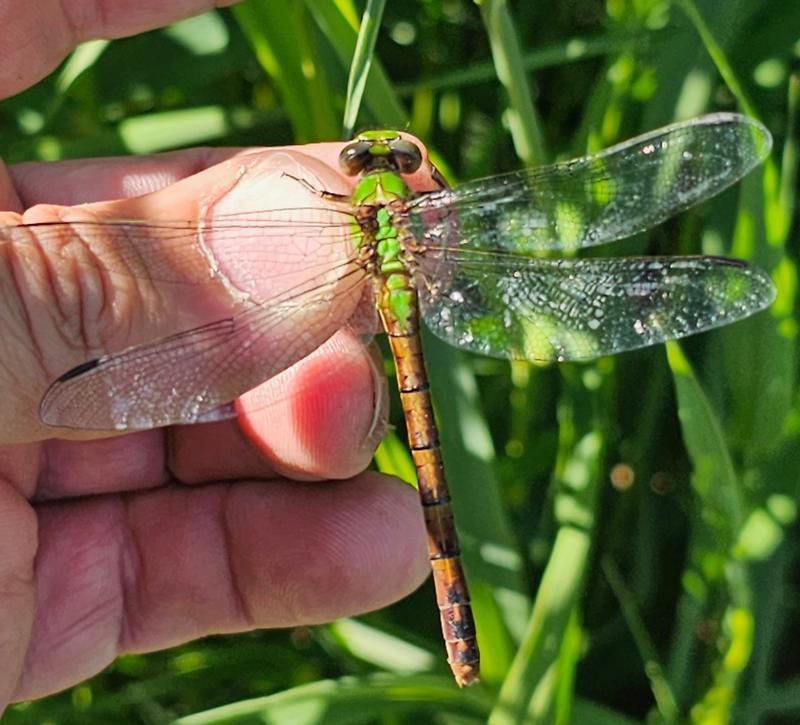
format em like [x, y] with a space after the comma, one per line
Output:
[178, 251]
[596, 199]
[580, 309]
[179, 379]
[184, 377]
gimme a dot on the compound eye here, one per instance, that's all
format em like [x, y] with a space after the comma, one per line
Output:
[406, 156]
[354, 157]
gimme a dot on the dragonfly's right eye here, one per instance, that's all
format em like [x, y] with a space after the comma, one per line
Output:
[354, 157]
[406, 156]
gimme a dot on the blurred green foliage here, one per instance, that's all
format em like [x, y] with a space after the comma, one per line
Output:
[630, 526]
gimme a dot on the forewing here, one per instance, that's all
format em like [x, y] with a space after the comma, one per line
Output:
[596, 199]
[580, 309]
[179, 251]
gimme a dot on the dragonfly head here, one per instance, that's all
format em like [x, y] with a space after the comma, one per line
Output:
[380, 150]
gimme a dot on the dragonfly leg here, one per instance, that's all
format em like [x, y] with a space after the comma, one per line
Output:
[330, 195]
[437, 177]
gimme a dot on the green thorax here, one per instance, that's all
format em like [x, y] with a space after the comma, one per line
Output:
[379, 186]
[376, 189]
[380, 157]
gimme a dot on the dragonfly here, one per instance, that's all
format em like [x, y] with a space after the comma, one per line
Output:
[490, 266]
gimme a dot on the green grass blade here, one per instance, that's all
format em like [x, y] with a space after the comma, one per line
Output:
[714, 478]
[341, 29]
[718, 55]
[382, 649]
[348, 701]
[362, 61]
[759, 359]
[662, 691]
[715, 571]
[566, 670]
[789, 160]
[393, 458]
[155, 132]
[530, 690]
[281, 37]
[526, 127]
[80, 60]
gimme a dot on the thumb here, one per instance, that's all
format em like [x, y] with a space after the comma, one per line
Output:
[243, 265]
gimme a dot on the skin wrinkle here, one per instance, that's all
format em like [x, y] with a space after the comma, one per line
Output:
[81, 300]
[70, 324]
[57, 299]
[20, 672]
[101, 614]
[86, 293]
[12, 335]
[138, 283]
[20, 475]
[105, 307]
[69, 24]
[55, 304]
[131, 576]
[239, 600]
[17, 586]
[45, 469]
[100, 316]
[81, 307]
[107, 465]
[128, 636]
[89, 622]
[170, 454]
[37, 353]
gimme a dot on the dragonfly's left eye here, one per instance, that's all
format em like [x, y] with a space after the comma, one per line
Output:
[406, 156]
[354, 157]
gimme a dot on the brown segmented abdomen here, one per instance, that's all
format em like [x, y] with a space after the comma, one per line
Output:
[452, 595]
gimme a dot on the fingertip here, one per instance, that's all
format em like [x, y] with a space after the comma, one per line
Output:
[323, 417]
[303, 246]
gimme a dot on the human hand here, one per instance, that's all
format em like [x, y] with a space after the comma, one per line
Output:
[109, 545]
